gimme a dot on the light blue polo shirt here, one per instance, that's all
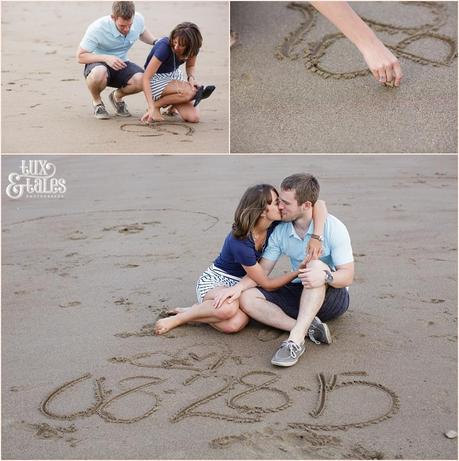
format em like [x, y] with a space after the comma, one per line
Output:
[284, 240]
[102, 37]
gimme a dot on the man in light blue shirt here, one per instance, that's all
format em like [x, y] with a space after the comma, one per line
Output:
[104, 50]
[320, 293]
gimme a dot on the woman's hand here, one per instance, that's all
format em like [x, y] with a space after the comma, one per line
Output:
[229, 294]
[314, 251]
[147, 116]
[384, 66]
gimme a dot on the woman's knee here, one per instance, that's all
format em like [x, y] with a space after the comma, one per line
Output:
[192, 117]
[227, 310]
[234, 324]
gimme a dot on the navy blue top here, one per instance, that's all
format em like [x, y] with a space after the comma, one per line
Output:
[236, 253]
[162, 51]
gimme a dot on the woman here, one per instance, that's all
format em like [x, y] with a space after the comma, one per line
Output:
[255, 218]
[163, 82]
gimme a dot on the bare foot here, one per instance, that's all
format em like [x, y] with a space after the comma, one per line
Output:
[177, 310]
[170, 110]
[234, 38]
[162, 326]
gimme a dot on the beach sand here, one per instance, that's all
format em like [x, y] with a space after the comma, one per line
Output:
[46, 106]
[278, 105]
[85, 276]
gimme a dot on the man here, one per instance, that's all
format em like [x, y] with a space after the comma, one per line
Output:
[104, 49]
[321, 289]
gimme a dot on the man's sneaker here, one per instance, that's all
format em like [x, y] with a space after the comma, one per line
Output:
[288, 354]
[100, 112]
[318, 332]
[120, 107]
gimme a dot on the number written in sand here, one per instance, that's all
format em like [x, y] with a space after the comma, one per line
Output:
[230, 382]
[102, 403]
[325, 387]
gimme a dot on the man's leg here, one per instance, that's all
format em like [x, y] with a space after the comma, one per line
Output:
[255, 305]
[133, 86]
[97, 82]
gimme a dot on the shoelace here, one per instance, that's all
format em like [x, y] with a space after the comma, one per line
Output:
[292, 347]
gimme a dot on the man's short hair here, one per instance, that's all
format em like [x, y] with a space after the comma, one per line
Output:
[125, 10]
[305, 186]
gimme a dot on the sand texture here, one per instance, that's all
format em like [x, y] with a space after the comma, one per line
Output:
[297, 85]
[46, 106]
[85, 277]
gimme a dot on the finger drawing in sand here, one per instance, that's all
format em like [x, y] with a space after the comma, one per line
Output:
[255, 219]
[163, 82]
[104, 52]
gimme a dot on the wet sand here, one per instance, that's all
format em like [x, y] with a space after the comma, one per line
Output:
[46, 106]
[85, 276]
[280, 102]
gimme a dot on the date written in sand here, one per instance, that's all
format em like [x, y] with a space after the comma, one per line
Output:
[244, 398]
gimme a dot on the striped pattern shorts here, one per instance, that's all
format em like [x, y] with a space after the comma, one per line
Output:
[160, 81]
[212, 278]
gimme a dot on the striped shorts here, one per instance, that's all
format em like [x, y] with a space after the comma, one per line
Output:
[212, 278]
[160, 81]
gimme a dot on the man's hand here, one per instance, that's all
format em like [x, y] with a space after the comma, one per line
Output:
[312, 277]
[227, 294]
[115, 63]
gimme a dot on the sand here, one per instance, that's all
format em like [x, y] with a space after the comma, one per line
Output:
[46, 106]
[286, 99]
[85, 276]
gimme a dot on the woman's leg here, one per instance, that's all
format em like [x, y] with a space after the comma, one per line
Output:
[204, 312]
[188, 112]
[176, 92]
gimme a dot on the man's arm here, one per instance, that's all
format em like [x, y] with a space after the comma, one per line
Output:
[86, 57]
[147, 37]
[314, 277]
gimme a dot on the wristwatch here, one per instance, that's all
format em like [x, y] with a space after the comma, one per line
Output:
[317, 237]
[328, 277]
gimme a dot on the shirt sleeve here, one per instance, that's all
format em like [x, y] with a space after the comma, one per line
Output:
[274, 250]
[162, 51]
[340, 245]
[243, 253]
[89, 41]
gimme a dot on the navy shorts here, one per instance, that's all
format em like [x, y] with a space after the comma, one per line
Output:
[288, 297]
[116, 78]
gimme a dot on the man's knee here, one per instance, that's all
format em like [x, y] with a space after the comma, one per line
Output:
[248, 299]
[318, 264]
[136, 81]
[98, 76]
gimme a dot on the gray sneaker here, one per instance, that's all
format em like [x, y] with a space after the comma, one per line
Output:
[100, 112]
[288, 354]
[120, 107]
[319, 332]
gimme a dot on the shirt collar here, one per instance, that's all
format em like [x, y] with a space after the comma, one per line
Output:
[292, 232]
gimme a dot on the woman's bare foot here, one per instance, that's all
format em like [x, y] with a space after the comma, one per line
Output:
[170, 110]
[234, 38]
[177, 310]
[162, 326]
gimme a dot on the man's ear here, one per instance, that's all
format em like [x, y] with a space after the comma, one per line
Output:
[306, 205]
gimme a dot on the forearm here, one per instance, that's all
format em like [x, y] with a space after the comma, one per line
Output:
[147, 90]
[278, 282]
[319, 215]
[191, 71]
[342, 278]
[347, 21]
[89, 58]
[147, 37]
